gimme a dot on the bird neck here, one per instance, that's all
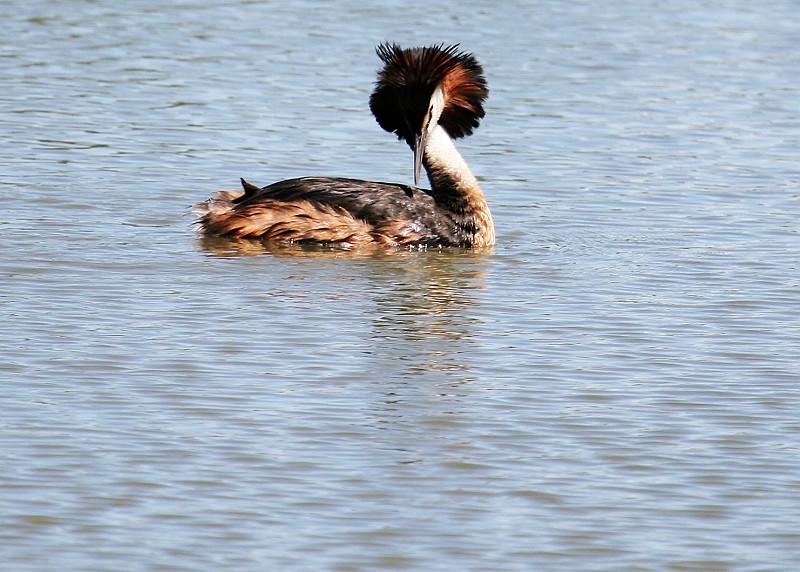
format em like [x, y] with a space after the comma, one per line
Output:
[455, 189]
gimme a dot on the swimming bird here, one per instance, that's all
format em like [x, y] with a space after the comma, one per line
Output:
[427, 96]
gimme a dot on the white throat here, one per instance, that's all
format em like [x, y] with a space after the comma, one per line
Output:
[441, 154]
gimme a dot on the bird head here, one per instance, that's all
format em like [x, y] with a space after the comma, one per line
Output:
[420, 88]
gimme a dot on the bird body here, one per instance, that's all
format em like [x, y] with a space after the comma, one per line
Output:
[427, 96]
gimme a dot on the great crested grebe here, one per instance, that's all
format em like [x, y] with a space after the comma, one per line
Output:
[427, 97]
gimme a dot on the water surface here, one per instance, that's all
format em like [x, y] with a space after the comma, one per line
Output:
[614, 386]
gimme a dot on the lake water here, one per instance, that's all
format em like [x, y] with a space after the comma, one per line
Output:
[615, 386]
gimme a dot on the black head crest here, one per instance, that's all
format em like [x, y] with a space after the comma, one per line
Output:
[408, 79]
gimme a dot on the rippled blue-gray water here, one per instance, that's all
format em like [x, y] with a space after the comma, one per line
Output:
[615, 386]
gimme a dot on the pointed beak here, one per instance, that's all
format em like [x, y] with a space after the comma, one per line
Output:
[419, 153]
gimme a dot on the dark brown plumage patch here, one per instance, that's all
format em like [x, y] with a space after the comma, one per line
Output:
[345, 212]
[299, 220]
